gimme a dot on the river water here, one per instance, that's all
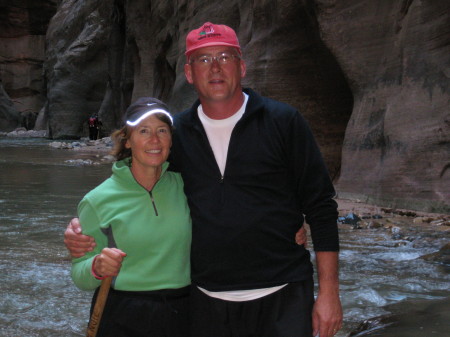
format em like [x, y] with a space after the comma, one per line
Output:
[39, 191]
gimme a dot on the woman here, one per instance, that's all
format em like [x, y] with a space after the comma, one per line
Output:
[140, 220]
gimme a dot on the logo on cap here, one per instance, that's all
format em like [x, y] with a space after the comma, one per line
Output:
[207, 29]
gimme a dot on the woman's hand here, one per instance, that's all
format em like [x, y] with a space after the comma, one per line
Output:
[301, 237]
[108, 262]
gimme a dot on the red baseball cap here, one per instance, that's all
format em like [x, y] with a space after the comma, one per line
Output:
[209, 35]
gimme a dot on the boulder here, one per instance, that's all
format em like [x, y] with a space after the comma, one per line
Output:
[441, 256]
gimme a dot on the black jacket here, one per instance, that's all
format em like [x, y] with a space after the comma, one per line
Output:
[244, 223]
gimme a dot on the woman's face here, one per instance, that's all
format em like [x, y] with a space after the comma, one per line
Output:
[150, 143]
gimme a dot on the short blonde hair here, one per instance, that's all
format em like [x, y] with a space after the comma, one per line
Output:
[119, 138]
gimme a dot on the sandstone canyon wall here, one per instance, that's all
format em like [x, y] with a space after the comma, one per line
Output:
[23, 26]
[101, 55]
[396, 57]
[371, 77]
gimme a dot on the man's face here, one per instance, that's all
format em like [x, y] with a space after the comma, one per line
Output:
[216, 81]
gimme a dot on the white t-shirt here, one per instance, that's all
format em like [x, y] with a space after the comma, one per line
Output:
[219, 132]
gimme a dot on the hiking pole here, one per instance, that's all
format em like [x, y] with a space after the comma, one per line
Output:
[98, 307]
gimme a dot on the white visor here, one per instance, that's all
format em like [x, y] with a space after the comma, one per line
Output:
[149, 113]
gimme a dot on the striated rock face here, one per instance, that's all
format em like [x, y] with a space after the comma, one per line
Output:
[9, 116]
[396, 56]
[23, 25]
[76, 65]
[101, 56]
[371, 78]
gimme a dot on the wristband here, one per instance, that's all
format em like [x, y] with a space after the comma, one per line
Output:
[93, 271]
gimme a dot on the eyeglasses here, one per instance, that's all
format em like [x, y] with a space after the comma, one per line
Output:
[207, 60]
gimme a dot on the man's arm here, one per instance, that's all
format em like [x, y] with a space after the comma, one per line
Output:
[77, 243]
[327, 311]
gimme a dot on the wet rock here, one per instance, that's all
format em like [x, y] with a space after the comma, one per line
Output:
[108, 159]
[100, 145]
[441, 256]
[397, 236]
[24, 133]
[418, 220]
[61, 145]
[440, 222]
[387, 210]
[395, 230]
[78, 144]
[423, 318]
[358, 225]
[406, 213]
[372, 324]
[80, 162]
[396, 233]
[349, 219]
[375, 224]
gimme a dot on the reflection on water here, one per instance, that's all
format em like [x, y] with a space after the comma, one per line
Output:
[39, 192]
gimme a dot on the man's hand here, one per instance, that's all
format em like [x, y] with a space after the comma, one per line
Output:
[327, 316]
[108, 262]
[327, 310]
[300, 236]
[77, 243]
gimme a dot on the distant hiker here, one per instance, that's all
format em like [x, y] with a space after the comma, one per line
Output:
[94, 127]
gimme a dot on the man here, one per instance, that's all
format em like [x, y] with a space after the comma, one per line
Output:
[252, 174]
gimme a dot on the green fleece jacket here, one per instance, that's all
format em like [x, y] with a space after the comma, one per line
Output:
[152, 228]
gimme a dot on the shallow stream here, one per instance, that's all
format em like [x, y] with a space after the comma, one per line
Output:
[39, 192]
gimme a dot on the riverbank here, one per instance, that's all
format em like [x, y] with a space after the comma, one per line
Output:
[369, 215]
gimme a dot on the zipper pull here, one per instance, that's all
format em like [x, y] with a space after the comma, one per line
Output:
[153, 202]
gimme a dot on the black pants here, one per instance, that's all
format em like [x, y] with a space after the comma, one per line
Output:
[285, 313]
[93, 132]
[160, 313]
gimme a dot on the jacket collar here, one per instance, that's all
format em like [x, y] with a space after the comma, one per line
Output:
[190, 116]
[121, 170]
